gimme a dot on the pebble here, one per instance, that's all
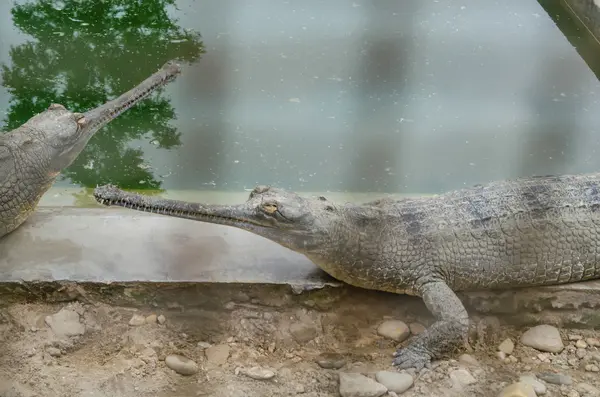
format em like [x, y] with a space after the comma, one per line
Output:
[161, 319]
[357, 385]
[572, 393]
[394, 329]
[330, 360]
[543, 337]
[258, 373]
[151, 319]
[137, 320]
[555, 378]
[587, 390]
[54, 352]
[518, 389]
[416, 328]
[501, 355]
[507, 346]
[581, 353]
[594, 342]
[539, 387]
[396, 382]
[461, 378]
[217, 354]
[303, 332]
[65, 323]
[581, 344]
[468, 360]
[592, 368]
[574, 337]
[180, 364]
[204, 345]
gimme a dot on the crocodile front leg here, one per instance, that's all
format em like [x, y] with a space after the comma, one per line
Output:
[447, 334]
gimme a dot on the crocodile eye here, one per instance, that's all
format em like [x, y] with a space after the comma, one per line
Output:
[269, 208]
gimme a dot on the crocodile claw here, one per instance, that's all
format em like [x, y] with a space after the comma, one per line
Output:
[411, 357]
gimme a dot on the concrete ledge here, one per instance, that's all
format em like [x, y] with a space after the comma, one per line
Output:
[105, 245]
[128, 258]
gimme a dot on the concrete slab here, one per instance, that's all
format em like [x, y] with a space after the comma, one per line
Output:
[128, 258]
[104, 245]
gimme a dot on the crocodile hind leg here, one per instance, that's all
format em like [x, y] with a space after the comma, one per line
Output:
[447, 334]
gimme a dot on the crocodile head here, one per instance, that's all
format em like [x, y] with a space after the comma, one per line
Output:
[61, 134]
[296, 222]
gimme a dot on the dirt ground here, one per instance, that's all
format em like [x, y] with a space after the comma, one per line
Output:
[91, 349]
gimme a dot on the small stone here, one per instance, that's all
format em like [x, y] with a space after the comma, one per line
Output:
[54, 352]
[461, 378]
[572, 393]
[204, 345]
[396, 330]
[303, 332]
[543, 337]
[137, 320]
[574, 337]
[151, 319]
[161, 319]
[396, 382]
[416, 328]
[468, 360]
[594, 342]
[217, 354]
[555, 378]
[65, 323]
[592, 368]
[330, 360]
[573, 362]
[543, 357]
[182, 365]
[357, 385]
[581, 353]
[501, 356]
[539, 387]
[587, 390]
[258, 373]
[518, 389]
[581, 344]
[507, 346]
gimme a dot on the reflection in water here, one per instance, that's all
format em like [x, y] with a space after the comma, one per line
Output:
[84, 53]
[397, 96]
[383, 72]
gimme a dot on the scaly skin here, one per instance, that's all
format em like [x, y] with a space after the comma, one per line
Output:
[526, 232]
[33, 155]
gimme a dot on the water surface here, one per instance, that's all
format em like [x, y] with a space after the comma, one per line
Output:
[413, 96]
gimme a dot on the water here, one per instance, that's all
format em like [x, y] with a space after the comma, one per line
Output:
[413, 96]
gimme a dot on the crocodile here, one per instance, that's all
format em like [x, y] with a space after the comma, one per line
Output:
[33, 155]
[524, 232]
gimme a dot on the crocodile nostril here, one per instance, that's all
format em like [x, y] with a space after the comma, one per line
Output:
[79, 118]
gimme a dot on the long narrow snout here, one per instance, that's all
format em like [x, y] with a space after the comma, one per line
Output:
[231, 215]
[102, 115]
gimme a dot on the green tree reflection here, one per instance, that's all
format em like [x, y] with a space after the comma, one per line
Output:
[85, 52]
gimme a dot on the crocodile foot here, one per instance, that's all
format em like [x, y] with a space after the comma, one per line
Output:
[411, 356]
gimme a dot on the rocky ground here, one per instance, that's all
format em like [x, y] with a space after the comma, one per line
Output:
[92, 349]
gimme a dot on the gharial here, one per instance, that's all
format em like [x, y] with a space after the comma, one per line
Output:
[525, 232]
[34, 154]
